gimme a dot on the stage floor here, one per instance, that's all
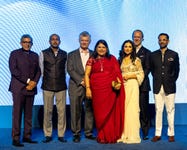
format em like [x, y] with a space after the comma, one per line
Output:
[85, 144]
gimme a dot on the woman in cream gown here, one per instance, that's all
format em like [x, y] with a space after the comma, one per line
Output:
[133, 76]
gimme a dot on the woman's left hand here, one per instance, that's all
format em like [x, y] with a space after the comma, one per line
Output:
[116, 84]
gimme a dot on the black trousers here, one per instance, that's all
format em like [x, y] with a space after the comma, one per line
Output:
[22, 104]
[144, 112]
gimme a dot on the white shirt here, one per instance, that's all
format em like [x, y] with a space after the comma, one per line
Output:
[138, 48]
[84, 56]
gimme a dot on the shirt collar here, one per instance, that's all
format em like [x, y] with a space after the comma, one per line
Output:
[83, 51]
[55, 51]
[138, 48]
[27, 51]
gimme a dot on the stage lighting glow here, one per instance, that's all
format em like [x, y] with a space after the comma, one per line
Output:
[112, 20]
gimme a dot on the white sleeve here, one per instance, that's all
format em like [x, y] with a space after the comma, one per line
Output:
[41, 63]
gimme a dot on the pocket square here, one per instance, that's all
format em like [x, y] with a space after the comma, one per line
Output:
[170, 59]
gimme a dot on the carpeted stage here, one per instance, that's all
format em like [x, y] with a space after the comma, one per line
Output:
[85, 144]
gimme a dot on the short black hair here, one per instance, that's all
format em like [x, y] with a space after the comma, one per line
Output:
[54, 35]
[26, 36]
[165, 34]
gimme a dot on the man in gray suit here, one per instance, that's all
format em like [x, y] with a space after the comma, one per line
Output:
[75, 66]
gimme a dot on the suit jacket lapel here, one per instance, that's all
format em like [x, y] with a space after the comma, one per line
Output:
[79, 61]
[90, 52]
[140, 52]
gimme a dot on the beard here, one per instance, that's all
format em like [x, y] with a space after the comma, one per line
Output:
[55, 46]
[163, 46]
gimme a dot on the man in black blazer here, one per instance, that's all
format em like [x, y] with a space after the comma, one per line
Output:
[25, 73]
[165, 71]
[144, 54]
[75, 66]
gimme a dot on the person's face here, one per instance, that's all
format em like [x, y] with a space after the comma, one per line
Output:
[84, 42]
[137, 38]
[26, 44]
[163, 41]
[54, 41]
[128, 48]
[101, 50]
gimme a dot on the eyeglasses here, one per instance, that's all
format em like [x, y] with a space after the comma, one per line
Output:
[28, 42]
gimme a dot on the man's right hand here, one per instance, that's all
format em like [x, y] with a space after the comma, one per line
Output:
[31, 85]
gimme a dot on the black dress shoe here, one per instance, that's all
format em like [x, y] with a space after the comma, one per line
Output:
[28, 140]
[76, 138]
[145, 138]
[47, 139]
[91, 137]
[17, 143]
[61, 139]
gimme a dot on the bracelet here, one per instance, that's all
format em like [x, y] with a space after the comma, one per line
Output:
[88, 87]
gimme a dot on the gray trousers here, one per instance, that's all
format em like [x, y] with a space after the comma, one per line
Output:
[76, 103]
[60, 98]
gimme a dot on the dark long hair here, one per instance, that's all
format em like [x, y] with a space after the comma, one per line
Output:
[95, 54]
[122, 54]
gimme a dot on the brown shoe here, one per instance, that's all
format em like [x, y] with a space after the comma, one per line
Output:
[156, 138]
[171, 139]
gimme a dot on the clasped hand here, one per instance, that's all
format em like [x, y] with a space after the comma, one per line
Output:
[116, 84]
[31, 85]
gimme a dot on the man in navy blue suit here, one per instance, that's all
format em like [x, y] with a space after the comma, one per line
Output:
[144, 54]
[165, 71]
[25, 73]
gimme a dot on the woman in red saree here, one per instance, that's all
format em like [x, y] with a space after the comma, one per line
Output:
[104, 87]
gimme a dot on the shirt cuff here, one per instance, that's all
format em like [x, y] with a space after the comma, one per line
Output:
[28, 80]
